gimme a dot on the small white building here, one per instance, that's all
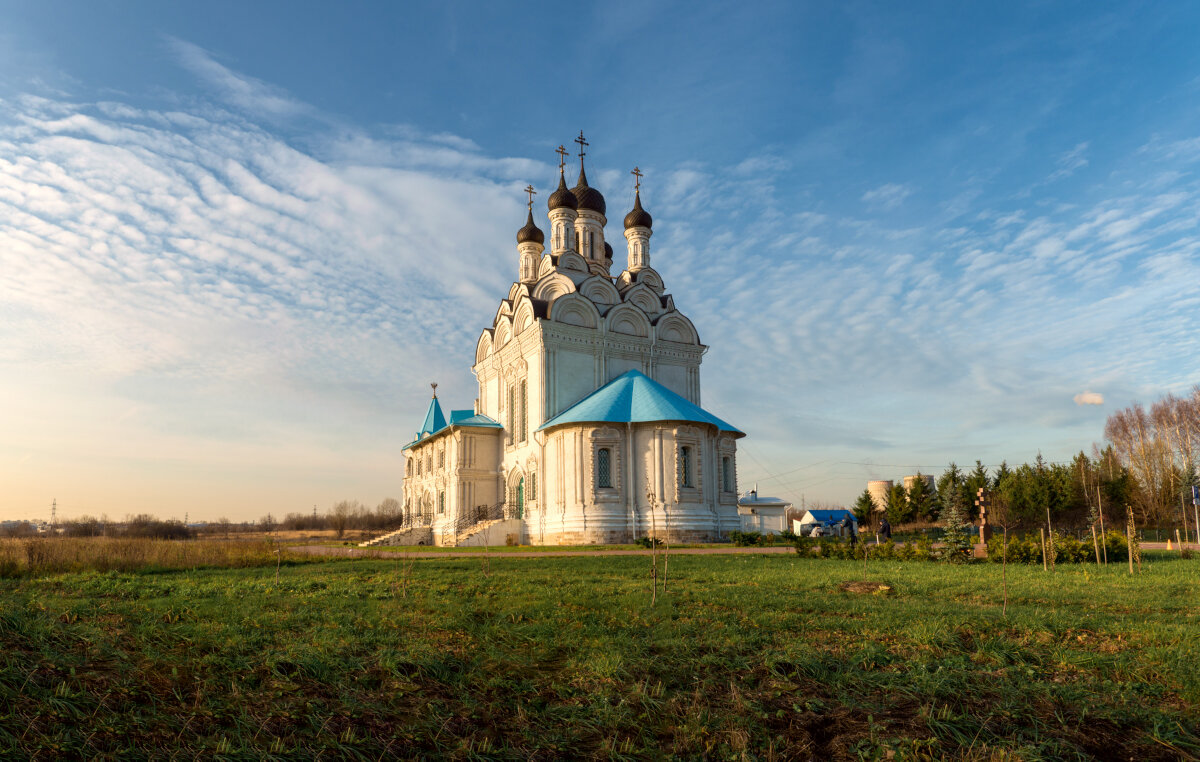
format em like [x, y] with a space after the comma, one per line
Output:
[767, 515]
[829, 520]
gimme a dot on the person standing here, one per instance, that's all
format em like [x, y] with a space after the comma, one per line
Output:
[849, 527]
[885, 529]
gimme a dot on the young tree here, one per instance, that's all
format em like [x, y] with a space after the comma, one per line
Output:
[958, 536]
[267, 523]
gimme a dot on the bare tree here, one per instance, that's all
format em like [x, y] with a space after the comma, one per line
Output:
[339, 517]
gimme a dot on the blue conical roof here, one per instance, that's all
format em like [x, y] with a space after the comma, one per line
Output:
[434, 420]
[634, 397]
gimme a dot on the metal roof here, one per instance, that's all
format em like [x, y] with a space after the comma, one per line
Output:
[457, 418]
[434, 420]
[635, 398]
[826, 516]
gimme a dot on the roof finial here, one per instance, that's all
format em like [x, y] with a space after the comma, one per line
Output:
[434, 385]
[562, 158]
[637, 183]
[582, 145]
[529, 189]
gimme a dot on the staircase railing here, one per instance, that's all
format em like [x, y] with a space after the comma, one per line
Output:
[476, 515]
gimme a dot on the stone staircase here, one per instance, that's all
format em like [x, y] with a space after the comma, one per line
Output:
[465, 535]
[421, 535]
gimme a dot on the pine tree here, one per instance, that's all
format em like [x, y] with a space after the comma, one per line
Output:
[920, 501]
[958, 532]
[864, 509]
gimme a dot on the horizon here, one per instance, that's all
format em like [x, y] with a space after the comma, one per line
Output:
[238, 243]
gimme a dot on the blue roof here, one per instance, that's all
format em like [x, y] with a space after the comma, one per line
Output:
[826, 516]
[635, 398]
[434, 420]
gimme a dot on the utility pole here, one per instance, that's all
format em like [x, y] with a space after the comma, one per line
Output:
[53, 515]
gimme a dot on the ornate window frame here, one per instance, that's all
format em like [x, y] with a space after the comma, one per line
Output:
[610, 439]
[727, 448]
[692, 438]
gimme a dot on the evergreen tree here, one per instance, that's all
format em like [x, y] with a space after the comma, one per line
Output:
[952, 477]
[897, 505]
[864, 509]
[958, 536]
[920, 500]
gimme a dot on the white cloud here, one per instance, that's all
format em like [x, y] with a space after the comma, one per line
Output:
[887, 197]
[1089, 398]
[245, 92]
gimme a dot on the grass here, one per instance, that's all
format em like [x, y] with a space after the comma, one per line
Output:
[762, 656]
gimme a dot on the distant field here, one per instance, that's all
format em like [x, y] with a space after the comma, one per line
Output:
[762, 656]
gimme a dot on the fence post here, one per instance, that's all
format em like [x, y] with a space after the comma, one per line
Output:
[1095, 545]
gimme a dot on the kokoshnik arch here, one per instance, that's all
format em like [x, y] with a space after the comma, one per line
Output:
[588, 426]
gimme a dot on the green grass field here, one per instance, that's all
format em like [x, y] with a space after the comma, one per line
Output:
[745, 657]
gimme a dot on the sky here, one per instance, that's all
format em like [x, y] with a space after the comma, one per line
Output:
[239, 240]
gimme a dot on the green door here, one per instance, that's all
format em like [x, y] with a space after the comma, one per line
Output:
[521, 498]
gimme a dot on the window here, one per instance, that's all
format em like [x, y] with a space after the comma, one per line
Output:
[685, 466]
[604, 467]
[418, 466]
[533, 486]
[428, 463]
[441, 459]
[727, 474]
[524, 410]
[512, 414]
[441, 502]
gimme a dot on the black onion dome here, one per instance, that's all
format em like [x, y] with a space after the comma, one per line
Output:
[639, 217]
[608, 252]
[589, 197]
[562, 197]
[530, 232]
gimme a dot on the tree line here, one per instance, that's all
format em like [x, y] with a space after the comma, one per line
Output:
[1147, 463]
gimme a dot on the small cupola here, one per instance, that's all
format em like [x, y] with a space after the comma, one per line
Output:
[638, 228]
[562, 198]
[531, 233]
[638, 217]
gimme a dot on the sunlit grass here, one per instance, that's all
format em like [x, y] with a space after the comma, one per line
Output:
[760, 655]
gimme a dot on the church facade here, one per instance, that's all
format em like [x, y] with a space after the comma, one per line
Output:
[588, 426]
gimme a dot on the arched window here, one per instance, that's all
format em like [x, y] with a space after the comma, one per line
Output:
[533, 486]
[418, 466]
[604, 467]
[727, 474]
[441, 459]
[441, 502]
[512, 413]
[685, 466]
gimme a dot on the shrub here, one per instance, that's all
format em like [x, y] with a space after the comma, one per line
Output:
[650, 542]
[788, 535]
[744, 539]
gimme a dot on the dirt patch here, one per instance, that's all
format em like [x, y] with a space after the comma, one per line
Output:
[867, 588]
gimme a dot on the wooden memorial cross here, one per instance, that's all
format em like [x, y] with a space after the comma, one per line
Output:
[983, 501]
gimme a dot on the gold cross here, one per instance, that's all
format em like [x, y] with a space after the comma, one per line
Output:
[434, 390]
[562, 157]
[582, 145]
[529, 189]
[637, 184]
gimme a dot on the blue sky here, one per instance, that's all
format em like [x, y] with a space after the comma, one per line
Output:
[238, 240]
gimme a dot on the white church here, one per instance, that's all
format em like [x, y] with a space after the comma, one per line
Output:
[588, 426]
